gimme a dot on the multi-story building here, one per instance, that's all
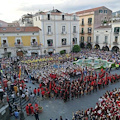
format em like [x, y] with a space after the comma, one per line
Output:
[26, 20]
[115, 36]
[102, 37]
[60, 31]
[88, 21]
[19, 40]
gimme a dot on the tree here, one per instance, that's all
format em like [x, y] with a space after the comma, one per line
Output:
[76, 48]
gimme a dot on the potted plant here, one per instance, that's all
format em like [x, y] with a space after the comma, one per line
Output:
[40, 109]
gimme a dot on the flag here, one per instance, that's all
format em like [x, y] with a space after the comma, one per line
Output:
[19, 72]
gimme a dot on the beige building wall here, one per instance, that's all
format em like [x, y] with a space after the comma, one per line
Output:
[86, 26]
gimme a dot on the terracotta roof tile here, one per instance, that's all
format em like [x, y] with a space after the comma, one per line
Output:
[18, 29]
[88, 10]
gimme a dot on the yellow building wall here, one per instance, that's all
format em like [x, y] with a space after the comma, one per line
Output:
[38, 40]
[86, 26]
[11, 41]
[26, 40]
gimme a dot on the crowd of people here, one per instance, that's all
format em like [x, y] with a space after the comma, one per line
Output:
[56, 76]
[107, 108]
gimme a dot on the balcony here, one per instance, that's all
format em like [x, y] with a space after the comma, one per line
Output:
[63, 33]
[89, 33]
[19, 45]
[34, 44]
[50, 46]
[115, 43]
[82, 24]
[4, 45]
[89, 23]
[116, 33]
[96, 42]
[49, 33]
[105, 42]
[82, 33]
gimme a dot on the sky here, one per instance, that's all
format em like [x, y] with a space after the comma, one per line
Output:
[11, 10]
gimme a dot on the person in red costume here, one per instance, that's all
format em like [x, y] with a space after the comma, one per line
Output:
[27, 109]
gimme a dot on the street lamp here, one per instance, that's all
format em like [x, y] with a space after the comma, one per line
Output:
[21, 111]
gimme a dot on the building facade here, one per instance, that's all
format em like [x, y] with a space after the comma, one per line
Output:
[26, 20]
[19, 40]
[88, 21]
[102, 37]
[60, 31]
[115, 38]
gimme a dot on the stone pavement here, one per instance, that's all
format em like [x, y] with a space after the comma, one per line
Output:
[55, 108]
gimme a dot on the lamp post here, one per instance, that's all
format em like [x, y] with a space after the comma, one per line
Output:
[21, 111]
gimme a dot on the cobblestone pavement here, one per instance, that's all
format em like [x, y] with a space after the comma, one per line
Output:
[55, 108]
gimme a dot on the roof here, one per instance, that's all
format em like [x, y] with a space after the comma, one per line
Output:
[89, 10]
[104, 26]
[18, 29]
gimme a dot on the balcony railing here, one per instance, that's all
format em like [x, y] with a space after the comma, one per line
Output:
[89, 33]
[34, 44]
[49, 33]
[82, 24]
[18, 44]
[96, 42]
[82, 33]
[63, 33]
[89, 23]
[74, 31]
[4, 45]
[115, 43]
[116, 33]
[105, 42]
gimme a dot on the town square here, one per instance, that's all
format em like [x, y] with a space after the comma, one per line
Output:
[59, 61]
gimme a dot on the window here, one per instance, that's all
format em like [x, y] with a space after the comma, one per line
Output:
[74, 17]
[105, 11]
[36, 18]
[82, 30]
[106, 39]
[63, 17]
[50, 42]
[89, 30]
[82, 39]
[116, 39]
[100, 11]
[39, 17]
[33, 40]
[48, 16]
[97, 39]
[74, 41]
[18, 41]
[74, 29]
[89, 20]
[5, 49]
[116, 29]
[63, 28]
[89, 39]
[82, 21]
[64, 41]
[4, 42]
[49, 29]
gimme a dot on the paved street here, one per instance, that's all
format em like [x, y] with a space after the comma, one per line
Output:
[54, 108]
